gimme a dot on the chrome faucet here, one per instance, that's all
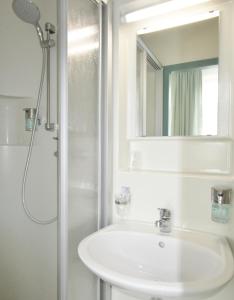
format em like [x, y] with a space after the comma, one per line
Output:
[164, 224]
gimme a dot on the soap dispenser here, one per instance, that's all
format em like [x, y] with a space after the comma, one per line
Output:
[221, 198]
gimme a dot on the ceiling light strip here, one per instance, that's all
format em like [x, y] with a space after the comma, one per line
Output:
[163, 8]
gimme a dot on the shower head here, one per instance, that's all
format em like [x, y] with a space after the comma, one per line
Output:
[28, 12]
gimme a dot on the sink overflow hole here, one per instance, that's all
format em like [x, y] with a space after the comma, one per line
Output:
[161, 245]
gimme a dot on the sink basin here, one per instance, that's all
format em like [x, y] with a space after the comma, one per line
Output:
[137, 258]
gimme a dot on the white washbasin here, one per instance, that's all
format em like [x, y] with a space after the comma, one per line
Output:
[182, 264]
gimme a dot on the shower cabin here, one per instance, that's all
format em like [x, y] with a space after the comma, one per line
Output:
[52, 145]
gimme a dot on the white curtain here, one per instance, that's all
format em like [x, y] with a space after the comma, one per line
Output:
[185, 103]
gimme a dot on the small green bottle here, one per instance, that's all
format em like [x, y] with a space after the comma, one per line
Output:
[221, 204]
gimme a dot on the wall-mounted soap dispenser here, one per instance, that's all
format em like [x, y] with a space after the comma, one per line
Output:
[30, 115]
[221, 198]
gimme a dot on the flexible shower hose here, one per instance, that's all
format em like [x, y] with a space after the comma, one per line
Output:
[31, 144]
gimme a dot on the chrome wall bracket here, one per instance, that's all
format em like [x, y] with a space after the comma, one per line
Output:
[50, 126]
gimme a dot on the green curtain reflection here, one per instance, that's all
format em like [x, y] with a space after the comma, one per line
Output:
[185, 104]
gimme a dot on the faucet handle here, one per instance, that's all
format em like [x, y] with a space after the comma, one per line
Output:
[164, 213]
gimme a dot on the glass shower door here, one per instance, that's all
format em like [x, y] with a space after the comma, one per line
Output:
[83, 102]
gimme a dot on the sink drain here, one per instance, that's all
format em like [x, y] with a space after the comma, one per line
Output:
[161, 245]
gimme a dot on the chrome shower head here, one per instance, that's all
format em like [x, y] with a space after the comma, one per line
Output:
[28, 12]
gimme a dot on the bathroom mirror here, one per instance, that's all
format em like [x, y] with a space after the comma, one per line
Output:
[177, 80]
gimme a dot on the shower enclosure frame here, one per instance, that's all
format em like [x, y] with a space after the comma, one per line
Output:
[62, 224]
[105, 121]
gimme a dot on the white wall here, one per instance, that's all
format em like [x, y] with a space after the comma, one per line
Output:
[186, 43]
[168, 172]
[28, 255]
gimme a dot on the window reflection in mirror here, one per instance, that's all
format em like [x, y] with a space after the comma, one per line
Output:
[177, 80]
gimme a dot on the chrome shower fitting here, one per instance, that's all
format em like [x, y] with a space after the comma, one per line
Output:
[49, 43]
[28, 12]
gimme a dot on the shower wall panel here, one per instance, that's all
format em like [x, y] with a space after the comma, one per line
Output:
[28, 252]
[83, 53]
